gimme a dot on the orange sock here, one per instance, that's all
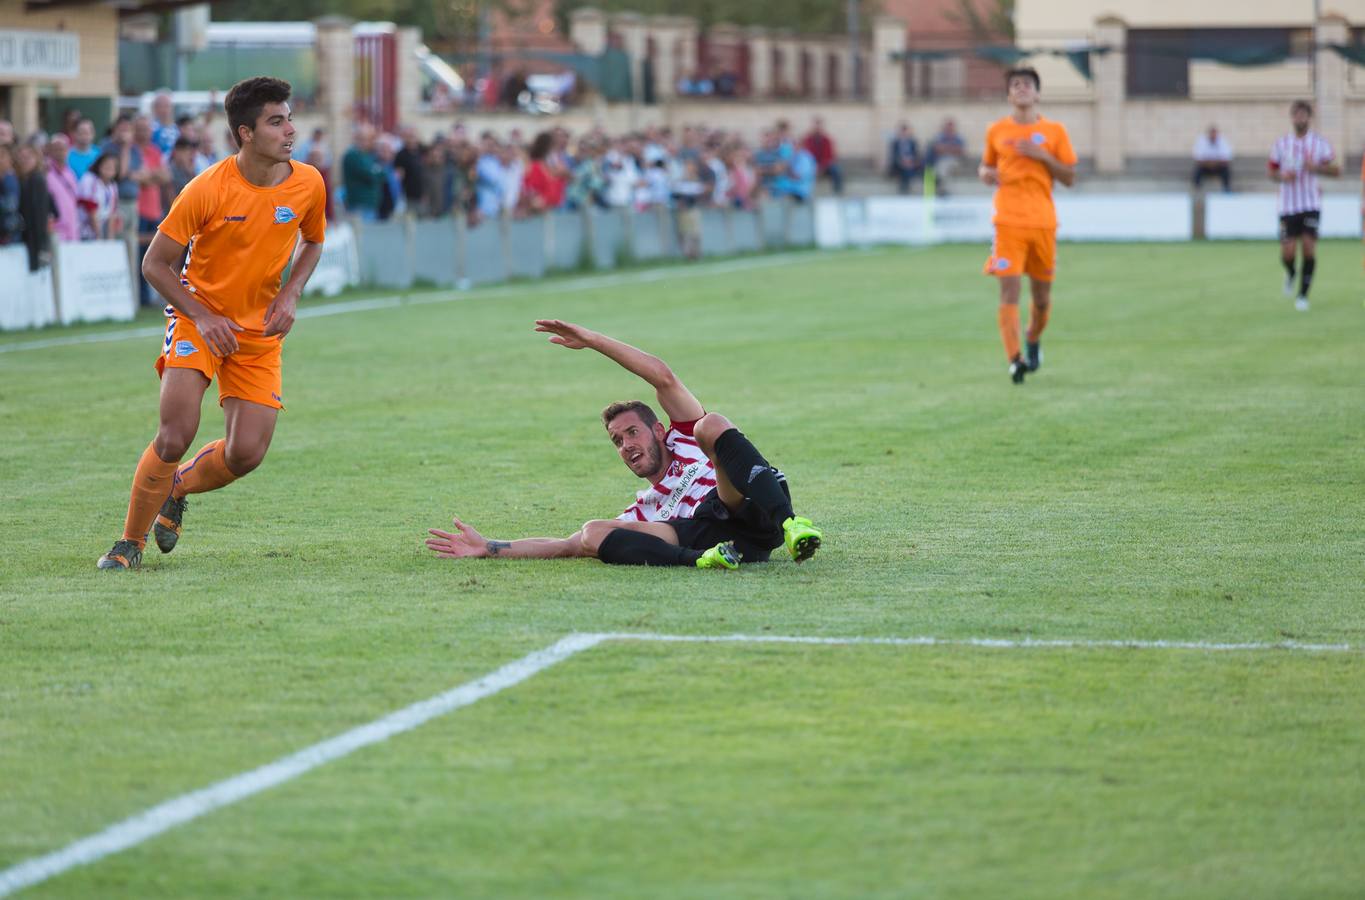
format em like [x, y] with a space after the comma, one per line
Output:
[1037, 321]
[1009, 328]
[208, 471]
[151, 485]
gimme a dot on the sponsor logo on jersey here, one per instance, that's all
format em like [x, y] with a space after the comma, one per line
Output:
[184, 348]
[1037, 137]
[689, 475]
[284, 214]
[234, 218]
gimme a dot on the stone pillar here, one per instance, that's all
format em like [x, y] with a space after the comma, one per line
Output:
[588, 30]
[1110, 89]
[408, 40]
[887, 87]
[24, 108]
[675, 52]
[688, 35]
[760, 63]
[336, 82]
[1329, 83]
[635, 41]
[663, 30]
[725, 39]
[788, 76]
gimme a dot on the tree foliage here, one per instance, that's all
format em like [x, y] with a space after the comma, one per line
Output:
[992, 20]
[439, 19]
[809, 16]
[455, 20]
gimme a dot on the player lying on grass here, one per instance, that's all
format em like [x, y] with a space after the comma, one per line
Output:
[712, 498]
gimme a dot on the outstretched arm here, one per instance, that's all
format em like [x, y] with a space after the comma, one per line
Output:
[677, 401]
[466, 543]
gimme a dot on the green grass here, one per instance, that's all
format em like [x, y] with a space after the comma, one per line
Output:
[1187, 466]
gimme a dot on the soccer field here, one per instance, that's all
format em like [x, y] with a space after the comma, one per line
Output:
[1188, 468]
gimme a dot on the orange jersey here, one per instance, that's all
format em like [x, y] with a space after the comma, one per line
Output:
[1024, 197]
[241, 237]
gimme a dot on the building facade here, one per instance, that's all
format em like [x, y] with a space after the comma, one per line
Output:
[52, 59]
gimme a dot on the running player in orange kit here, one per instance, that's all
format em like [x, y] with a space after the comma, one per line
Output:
[236, 226]
[1024, 154]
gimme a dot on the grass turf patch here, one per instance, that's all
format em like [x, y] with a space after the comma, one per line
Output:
[1186, 466]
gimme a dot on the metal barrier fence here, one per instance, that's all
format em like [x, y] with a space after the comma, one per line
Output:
[449, 253]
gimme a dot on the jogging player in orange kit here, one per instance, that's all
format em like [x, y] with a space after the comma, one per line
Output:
[237, 226]
[1024, 154]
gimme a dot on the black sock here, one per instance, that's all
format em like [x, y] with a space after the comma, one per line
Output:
[1306, 279]
[750, 473]
[1289, 267]
[623, 547]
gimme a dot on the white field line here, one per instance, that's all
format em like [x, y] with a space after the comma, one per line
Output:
[1001, 643]
[187, 807]
[426, 298]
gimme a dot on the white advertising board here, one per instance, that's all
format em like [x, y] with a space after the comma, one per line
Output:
[25, 297]
[93, 282]
[339, 266]
[915, 220]
[1256, 216]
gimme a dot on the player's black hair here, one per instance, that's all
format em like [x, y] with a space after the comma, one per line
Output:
[639, 407]
[1301, 105]
[1024, 72]
[246, 99]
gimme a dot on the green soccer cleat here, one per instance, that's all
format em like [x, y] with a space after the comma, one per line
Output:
[167, 525]
[801, 537]
[125, 554]
[721, 556]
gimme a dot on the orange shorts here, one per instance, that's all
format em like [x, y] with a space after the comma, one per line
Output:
[252, 373]
[1023, 251]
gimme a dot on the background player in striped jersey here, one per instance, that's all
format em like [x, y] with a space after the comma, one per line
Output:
[241, 220]
[1296, 161]
[712, 497]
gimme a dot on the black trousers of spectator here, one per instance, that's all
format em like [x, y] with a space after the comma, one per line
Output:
[906, 174]
[1209, 170]
[835, 176]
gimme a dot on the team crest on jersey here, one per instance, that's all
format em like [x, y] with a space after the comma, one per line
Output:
[184, 348]
[284, 214]
[1037, 137]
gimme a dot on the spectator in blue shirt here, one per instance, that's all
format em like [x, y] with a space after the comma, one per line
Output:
[798, 181]
[491, 175]
[164, 130]
[84, 150]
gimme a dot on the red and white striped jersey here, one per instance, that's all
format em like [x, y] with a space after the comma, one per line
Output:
[690, 477]
[1292, 153]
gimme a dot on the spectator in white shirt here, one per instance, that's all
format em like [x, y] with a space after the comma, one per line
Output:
[1213, 157]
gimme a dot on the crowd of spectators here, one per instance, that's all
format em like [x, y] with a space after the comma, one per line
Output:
[75, 185]
[486, 176]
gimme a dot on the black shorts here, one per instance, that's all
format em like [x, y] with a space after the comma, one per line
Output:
[1299, 224]
[754, 534]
